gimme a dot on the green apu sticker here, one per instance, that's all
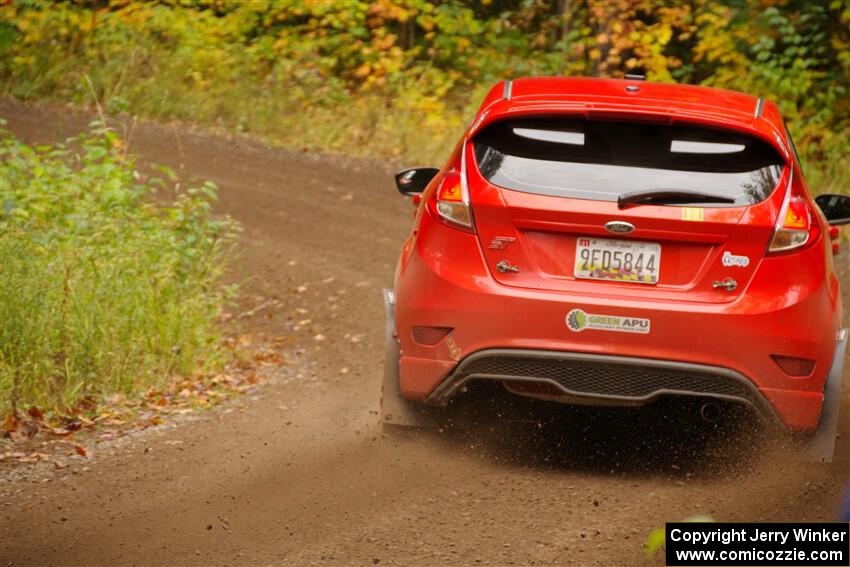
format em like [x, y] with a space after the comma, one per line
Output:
[578, 320]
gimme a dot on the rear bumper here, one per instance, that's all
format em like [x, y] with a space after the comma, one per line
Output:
[446, 284]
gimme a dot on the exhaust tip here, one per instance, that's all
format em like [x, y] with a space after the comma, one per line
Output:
[710, 412]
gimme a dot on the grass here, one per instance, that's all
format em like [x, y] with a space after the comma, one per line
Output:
[369, 125]
[102, 290]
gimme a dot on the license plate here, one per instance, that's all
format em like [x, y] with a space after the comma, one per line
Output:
[617, 260]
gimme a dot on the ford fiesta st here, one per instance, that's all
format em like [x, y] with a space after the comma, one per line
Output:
[612, 242]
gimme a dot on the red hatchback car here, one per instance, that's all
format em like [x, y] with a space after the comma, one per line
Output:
[610, 242]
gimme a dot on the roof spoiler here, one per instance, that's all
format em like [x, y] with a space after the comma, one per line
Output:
[506, 92]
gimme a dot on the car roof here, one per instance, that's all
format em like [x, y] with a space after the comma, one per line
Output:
[630, 99]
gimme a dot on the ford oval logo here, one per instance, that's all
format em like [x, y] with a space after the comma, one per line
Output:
[619, 227]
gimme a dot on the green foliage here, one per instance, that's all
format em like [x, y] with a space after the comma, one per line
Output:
[797, 54]
[657, 538]
[401, 77]
[101, 289]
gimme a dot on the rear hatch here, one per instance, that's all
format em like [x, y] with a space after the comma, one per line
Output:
[623, 208]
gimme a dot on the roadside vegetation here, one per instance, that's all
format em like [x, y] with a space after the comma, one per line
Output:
[400, 78]
[110, 281]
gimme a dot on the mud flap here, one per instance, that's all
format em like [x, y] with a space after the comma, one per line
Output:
[820, 447]
[395, 409]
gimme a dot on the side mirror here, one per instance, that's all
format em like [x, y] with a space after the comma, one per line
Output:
[414, 180]
[836, 208]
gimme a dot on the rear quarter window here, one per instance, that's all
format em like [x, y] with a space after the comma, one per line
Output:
[600, 160]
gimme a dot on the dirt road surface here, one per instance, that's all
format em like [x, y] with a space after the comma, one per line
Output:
[300, 473]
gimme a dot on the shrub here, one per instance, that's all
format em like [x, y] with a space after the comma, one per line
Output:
[102, 289]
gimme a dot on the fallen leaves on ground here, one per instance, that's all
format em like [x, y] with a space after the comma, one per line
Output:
[38, 435]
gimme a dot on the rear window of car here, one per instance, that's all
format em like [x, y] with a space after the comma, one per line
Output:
[601, 160]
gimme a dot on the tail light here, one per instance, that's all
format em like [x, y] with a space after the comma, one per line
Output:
[797, 224]
[450, 202]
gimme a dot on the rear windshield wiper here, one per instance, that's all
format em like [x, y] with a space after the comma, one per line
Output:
[669, 197]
